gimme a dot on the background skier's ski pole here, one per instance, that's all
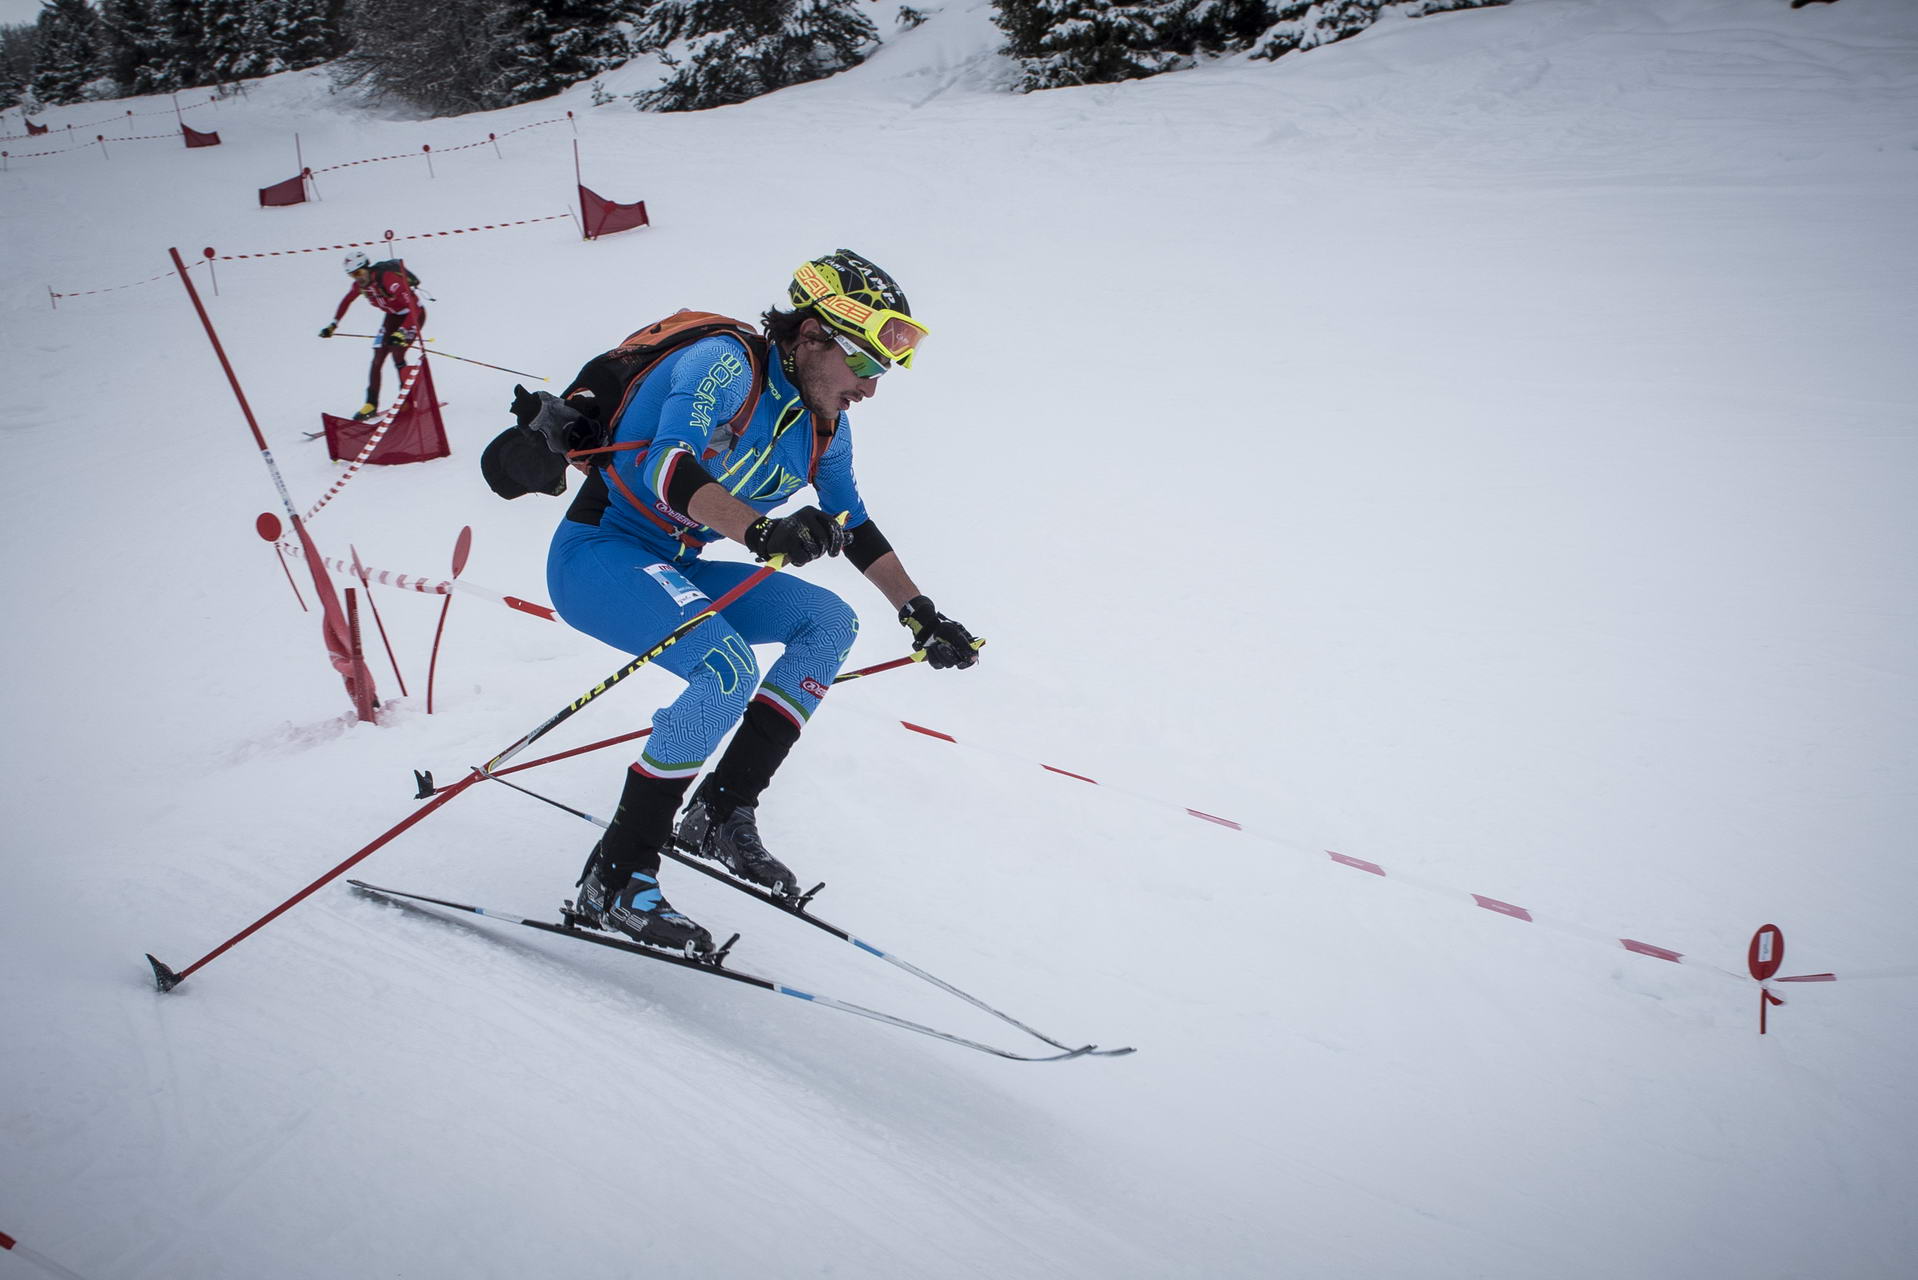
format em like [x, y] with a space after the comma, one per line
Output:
[435, 351]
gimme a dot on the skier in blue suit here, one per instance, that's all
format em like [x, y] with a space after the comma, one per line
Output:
[711, 440]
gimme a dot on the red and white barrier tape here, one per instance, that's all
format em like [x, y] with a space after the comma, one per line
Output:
[96, 141]
[427, 150]
[163, 111]
[429, 586]
[325, 248]
[114, 288]
[1482, 901]
[360, 244]
[382, 423]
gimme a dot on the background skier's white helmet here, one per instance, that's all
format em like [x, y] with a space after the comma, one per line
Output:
[357, 261]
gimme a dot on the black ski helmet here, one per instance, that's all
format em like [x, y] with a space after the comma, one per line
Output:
[844, 273]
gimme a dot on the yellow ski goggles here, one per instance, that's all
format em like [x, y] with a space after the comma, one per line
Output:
[894, 334]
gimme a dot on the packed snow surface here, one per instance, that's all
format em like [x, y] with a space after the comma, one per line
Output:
[1484, 448]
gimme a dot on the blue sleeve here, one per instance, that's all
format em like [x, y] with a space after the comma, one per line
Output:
[834, 481]
[682, 408]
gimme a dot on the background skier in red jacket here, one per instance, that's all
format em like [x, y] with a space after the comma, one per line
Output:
[389, 286]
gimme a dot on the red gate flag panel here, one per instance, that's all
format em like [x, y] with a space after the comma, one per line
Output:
[601, 216]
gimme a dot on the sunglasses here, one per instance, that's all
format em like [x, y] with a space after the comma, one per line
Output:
[858, 359]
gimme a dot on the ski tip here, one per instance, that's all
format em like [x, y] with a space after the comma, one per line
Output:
[1111, 1053]
[164, 977]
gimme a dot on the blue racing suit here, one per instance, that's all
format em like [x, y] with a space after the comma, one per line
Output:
[628, 576]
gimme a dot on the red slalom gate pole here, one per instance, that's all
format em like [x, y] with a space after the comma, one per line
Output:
[462, 548]
[359, 571]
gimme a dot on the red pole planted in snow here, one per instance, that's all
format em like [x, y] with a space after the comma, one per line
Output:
[359, 571]
[211, 270]
[429, 161]
[360, 683]
[462, 548]
[268, 526]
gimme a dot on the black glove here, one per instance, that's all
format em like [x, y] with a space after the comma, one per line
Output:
[945, 642]
[328, 331]
[563, 427]
[801, 537]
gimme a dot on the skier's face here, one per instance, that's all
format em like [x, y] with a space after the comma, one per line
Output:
[827, 383]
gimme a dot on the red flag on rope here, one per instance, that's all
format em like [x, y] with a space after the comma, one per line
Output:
[194, 138]
[34, 129]
[292, 191]
[416, 433]
[601, 216]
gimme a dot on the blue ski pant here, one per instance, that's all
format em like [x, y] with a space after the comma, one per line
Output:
[616, 590]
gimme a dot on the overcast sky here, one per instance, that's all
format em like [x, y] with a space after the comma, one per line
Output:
[14, 12]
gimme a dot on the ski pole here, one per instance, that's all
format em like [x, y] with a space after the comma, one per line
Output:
[450, 356]
[672, 638]
[423, 778]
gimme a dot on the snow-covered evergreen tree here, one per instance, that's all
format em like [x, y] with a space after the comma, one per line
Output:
[452, 62]
[1068, 42]
[223, 36]
[135, 42]
[306, 32]
[16, 66]
[259, 44]
[730, 50]
[182, 58]
[1217, 26]
[1307, 24]
[67, 51]
[550, 44]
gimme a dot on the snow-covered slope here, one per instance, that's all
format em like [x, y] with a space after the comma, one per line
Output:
[1482, 448]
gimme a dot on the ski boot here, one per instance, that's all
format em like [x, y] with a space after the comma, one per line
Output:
[636, 909]
[365, 411]
[720, 829]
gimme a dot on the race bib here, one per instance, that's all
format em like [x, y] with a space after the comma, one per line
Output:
[675, 585]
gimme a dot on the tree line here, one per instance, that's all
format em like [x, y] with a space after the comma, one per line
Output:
[454, 56]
